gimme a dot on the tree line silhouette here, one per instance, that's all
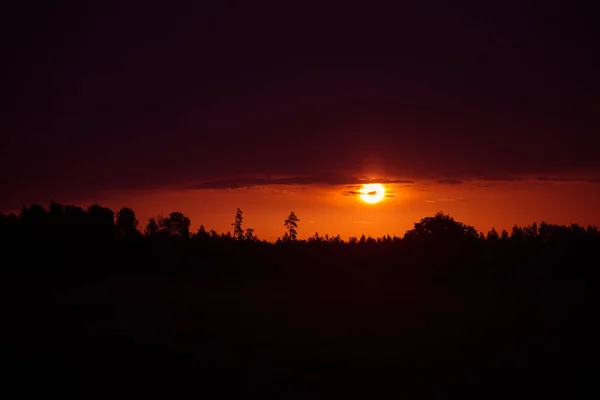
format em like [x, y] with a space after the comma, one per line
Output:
[60, 221]
[443, 305]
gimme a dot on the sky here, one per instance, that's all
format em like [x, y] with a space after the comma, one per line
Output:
[485, 110]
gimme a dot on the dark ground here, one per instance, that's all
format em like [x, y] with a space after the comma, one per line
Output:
[299, 322]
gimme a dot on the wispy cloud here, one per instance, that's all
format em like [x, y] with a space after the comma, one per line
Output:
[484, 182]
[503, 178]
[449, 182]
[567, 180]
[352, 182]
[355, 192]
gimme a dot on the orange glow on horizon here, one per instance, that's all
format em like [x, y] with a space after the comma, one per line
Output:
[339, 210]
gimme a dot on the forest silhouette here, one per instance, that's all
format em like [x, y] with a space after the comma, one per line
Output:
[99, 301]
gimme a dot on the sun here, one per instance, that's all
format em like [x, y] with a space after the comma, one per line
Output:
[372, 193]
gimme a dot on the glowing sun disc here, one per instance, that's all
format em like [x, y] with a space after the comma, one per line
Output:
[372, 193]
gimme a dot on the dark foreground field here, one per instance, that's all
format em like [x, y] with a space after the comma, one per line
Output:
[299, 320]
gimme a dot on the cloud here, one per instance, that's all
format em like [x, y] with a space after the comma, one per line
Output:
[353, 183]
[503, 178]
[567, 180]
[449, 182]
[483, 182]
[299, 123]
[235, 183]
[388, 181]
[270, 189]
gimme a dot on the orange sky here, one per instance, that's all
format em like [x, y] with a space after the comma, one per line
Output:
[139, 108]
[325, 209]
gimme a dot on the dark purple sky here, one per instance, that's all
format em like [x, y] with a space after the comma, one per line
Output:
[102, 96]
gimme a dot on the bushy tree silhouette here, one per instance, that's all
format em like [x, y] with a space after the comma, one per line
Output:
[56, 212]
[126, 223]
[33, 221]
[100, 221]
[175, 225]
[441, 227]
[152, 229]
